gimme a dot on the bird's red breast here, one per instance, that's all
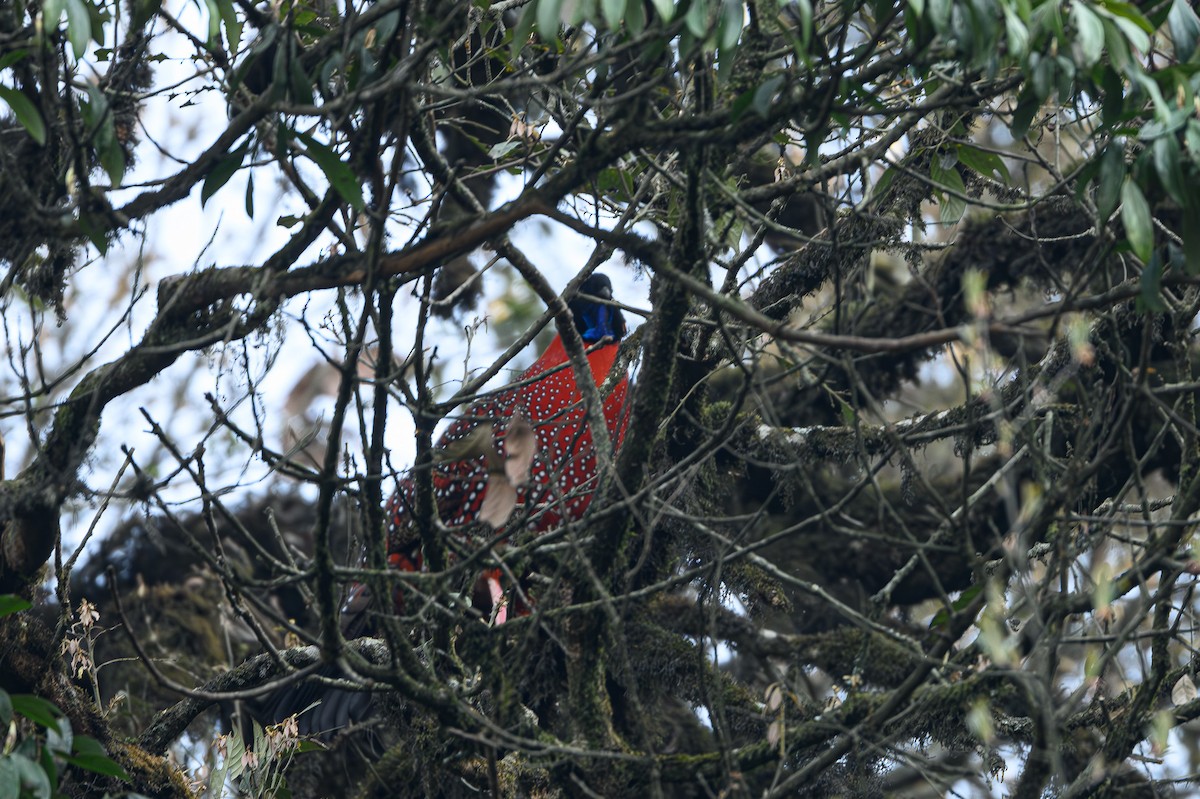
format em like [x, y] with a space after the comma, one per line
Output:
[524, 452]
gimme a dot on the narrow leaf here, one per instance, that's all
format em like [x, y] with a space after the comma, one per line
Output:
[223, 171]
[1135, 215]
[1168, 164]
[1089, 35]
[10, 604]
[79, 27]
[547, 18]
[1110, 179]
[1185, 29]
[99, 764]
[36, 709]
[340, 176]
[613, 11]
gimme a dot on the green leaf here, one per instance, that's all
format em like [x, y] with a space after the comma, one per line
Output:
[235, 748]
[939, 14]
[33, 780]
[10, 604]
[90, 756]
[1017, 33]
[729, 27]
[10, 778]
[1150, 286]
[942, 617]
[112, 157]
[1192, 138]
[1089, 35]
[884, 182]
[94, 229]
[802, 9]
[986, 163]
[1110, 179]
[953, 205]
[697, 19]
[1168, 164]
[848, 414]
[613, 11]
[52, 11]
[522, 31]
[1191, 239]
[6, 709]
[224, 169]
[250, 195]
[341, 177]
[1185, 29]
[548, 15]
[8, 59]
[1135, 215]
[1027, 107]
[144, 11]
[764, 95]
[79, 26]
[214, 23]
[1131, 25]
[502, 148]
[635, 17]
[665, 9]
[38, 710]
[1113, 104]
[233, 23]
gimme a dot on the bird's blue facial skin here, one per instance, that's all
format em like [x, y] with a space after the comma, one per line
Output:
[598, 324]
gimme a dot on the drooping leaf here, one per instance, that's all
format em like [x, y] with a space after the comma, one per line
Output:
[1017, 33]
[1135, 215]
[90, 756]
[1110, 179]
[548, 15]
[214, 22]
[10, 778]
[8, 59]
[341, 177]
[1027, 107]
[764, 95]
[52, 11]
[697, 19]
[1150, 287]
[40, 711]
[613, 11]
[1089, 35]
[32, 779]
[79, 26]
[729, 27]
[1167, 163]
[145, 10]
[1184, 26]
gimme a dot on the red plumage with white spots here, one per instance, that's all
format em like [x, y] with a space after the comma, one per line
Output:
[521, 458]
[523, 455]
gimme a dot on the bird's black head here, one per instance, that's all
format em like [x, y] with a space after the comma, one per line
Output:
[595, 320]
